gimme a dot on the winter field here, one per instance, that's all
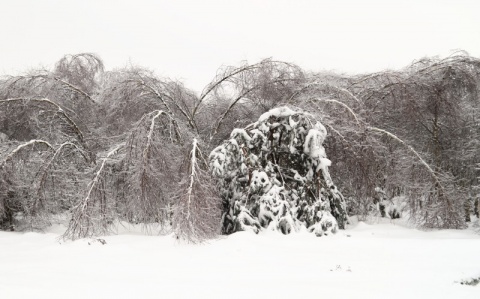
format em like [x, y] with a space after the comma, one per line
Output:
[381, 260]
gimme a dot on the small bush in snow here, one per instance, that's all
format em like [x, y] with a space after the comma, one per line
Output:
[274, 175]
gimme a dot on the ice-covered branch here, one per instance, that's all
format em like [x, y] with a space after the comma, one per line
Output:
[227, 111]
[235, 102]
[228, 75]
[338, 103]
[224, 77]
[313, 84]
[95, 180]
[75, 89]
[80, 224]
[55, 155]
[22, 146]
[58, 110]
[197, 205]
[193, 166]
[149, 136]
[411, 149]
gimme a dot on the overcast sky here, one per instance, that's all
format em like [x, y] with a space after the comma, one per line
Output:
[190, 40]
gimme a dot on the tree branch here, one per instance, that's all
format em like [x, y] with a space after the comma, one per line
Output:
[22, 146]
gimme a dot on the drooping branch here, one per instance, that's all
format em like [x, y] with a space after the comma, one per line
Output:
[196, 212]
[83, 223]
[236, 100]
[41, 202]
[389, 134]
[321, 84]
[79, 72]
[74, 88]
[339, 103]
[193, 175]
[221, 79]
[161, 98]
[47, 166]
[19, 148]
[150, 133]
[58, 109]
[42, 79]
[17, 169]
[149, 167]
[230, 75]
[146, 155]
[96, 179]
[412, 150]
[228, 110]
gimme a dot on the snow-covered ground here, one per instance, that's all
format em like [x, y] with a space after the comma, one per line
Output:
[385, 260]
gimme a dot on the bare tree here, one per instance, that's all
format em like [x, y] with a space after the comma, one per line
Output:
[108, 146]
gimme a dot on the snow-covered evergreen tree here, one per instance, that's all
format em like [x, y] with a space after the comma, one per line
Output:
[274, 175]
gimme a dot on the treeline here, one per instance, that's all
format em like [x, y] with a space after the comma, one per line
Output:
[127, 145]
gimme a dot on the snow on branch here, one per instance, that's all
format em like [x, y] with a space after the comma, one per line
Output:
[74, 88]
[234, 75]
[58, 109]
[338, 103]
[161, 98]
[23, 146]
[90, 215]
[24, 186]
[228, 110]
[237, 99]
[150, 134]
[151, 156]
[193, 175]
[411, 149]
[41, 79]
[197, 215]
[322, 84]
[46, 167]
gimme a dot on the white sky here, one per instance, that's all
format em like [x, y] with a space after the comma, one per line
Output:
[190, 40]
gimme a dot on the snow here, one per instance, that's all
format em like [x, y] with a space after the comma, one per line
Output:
[260, 181]
[384, 260]
[240, 132]
[313, 145]
[277, 112]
